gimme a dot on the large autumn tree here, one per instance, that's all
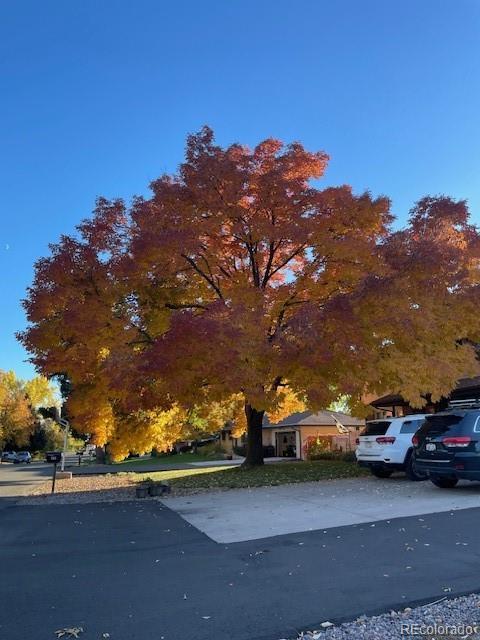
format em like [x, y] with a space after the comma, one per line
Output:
[239, 282]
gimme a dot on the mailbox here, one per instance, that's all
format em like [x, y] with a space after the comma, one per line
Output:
[53, 456]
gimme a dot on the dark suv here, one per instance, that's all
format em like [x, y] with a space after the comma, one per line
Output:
[447, 446]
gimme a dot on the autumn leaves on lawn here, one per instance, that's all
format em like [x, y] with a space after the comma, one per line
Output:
[241, 287]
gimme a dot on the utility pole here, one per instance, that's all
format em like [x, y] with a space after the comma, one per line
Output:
[64, 423]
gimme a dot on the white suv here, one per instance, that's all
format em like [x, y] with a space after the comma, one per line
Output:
[386, 446]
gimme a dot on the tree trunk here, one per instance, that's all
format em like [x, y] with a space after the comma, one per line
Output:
[254, 437]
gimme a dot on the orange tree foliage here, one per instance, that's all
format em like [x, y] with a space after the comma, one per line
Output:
[239, 278]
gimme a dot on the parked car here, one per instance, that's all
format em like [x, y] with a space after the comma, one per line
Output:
[88, 450]
[385, 446]
[187, 446]
[23, 456]
[8, 456]
[447, 446]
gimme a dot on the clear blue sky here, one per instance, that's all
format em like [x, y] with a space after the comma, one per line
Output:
[97, 98]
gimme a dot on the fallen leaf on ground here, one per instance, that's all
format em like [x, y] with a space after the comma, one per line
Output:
[69, 632]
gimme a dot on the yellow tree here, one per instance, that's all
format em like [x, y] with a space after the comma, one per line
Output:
[40, 392]
[16, 416]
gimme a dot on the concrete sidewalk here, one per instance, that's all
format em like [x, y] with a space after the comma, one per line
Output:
[126, 467]
[132, 467]
[249, 514]
[102, 469]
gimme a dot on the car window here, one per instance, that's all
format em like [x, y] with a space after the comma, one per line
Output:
[377, 428]
[439, 424]
[411, 426]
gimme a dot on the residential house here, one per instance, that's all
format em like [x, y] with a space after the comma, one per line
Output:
[289, 437]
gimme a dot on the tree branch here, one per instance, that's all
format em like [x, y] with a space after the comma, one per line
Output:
[277, 383]
[287, 260]
[271, 255]
[253, 264]
[201, 273]
[187, 305]
[290, 302]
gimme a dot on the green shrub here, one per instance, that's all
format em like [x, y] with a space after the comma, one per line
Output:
[322, 448]
[241, 450]
[344, 456]
[318, 446]
[212, 450]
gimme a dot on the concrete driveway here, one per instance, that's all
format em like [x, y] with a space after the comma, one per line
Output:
[250, 514]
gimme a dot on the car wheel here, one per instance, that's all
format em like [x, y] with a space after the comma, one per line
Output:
[381, 472]
[411, 472]
[444, 482]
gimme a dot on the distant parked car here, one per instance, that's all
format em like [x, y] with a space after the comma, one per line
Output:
[447, 446]
[23, 456]
[187, 446]
[88, 450]
[8, 456]
[386, 446]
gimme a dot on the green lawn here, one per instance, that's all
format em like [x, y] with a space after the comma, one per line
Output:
[267, 475]
[179, 458]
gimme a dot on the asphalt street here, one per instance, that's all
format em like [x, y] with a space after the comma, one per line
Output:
[138, 571]
[18, 479]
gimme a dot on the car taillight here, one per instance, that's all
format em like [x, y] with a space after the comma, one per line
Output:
[385, 440]
[456, 441]
[415, 440]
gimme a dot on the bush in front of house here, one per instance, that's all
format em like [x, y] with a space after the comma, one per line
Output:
[344, 456]
[317, 446]
[212, 450]
[240, 451]
[320, 448]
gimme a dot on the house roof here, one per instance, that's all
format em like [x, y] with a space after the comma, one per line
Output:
[465, 387]
[468, 383]
[311, 419]
[388, 401]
